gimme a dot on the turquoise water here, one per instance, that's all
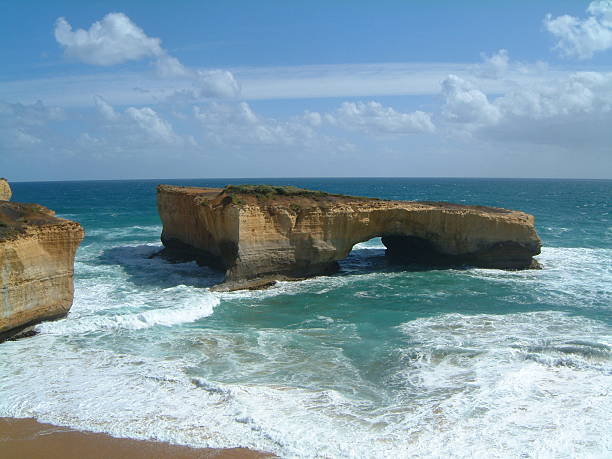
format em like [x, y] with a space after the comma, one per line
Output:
[376, 361]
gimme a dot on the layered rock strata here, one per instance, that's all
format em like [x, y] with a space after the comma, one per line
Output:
[37, 253]
[5, 190]
[261, 234]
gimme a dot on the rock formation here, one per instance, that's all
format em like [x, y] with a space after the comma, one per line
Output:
[5, 190]
[36, 265]
[259, 234]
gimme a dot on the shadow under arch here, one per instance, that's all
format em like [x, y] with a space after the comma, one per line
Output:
[393, 253]
[145, 267]
[152, 266]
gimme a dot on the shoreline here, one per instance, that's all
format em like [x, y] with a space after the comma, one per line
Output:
[26, 437]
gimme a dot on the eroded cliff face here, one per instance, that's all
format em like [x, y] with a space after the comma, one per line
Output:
[37, 253]
[198, 223]
[5, 190]
[260, 238]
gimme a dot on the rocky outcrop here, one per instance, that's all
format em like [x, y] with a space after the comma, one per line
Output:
[5, 190]
[261, 234]
[36, 265]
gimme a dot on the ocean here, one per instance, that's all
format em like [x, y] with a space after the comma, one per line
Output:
[378, 360]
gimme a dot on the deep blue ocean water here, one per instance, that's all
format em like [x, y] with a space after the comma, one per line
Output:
[375, 361]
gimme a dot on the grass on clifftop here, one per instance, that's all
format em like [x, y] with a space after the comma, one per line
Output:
[271, 192]
[266, 191]
[15, 216]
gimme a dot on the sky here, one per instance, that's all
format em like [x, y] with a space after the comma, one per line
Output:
[193, 89]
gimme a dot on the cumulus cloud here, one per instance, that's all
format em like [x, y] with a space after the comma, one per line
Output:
[116, 39]
[582, 38]
[579, 94]
[235, 125]
[208, 84]
[134, 131]
[216, 83]
[499, 66]
[38, 141]
[168, 66]
[464, 103]
[374, 118]
[113, 40]
[314, 119]
[495, 65]
[151, 123]
[142, 125]
[576, 110]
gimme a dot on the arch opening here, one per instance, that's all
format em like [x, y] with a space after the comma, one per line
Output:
[394, 252]
[365, 256]
[413, 249]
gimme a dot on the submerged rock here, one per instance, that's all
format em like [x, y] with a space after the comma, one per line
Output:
[36, 266]
[259, 234]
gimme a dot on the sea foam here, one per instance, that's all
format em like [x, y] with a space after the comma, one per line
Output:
[367, 363]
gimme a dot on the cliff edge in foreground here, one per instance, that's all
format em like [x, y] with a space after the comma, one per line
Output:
[36, 265]
[260, 233]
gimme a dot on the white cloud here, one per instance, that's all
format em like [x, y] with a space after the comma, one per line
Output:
[116, 39]
[113, 40]
[374, 118]
[580, 94]
[208, 84]
[135, 126]
[168, 67]
[235, 125]
[142, 121]
[498, 73]
[310, 82]
[313, 118]
[217, 83]
[466, 104]
[345, 80]
[105, 109]
[494, 66]
[570, 112]
[238, 124]
[582, 38]
[40, 130]
[152, 124]
[133, 132]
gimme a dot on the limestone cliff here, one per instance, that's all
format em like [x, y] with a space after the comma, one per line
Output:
[5, 190]
[36, 265]
[261, 233]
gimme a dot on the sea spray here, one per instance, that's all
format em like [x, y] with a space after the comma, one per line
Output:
[379, 360]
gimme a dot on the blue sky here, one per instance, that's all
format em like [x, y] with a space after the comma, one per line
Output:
[103, 89]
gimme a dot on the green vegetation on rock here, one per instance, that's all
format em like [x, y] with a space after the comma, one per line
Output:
[14, 217]
[266, 191]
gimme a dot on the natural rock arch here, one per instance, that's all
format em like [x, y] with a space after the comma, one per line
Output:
[258, 237]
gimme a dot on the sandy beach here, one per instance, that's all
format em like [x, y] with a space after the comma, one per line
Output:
[27, 438]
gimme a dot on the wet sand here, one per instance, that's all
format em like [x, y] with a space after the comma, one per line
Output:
[27, 438]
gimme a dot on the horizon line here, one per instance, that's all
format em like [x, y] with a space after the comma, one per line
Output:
[306, 178]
